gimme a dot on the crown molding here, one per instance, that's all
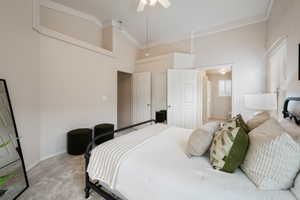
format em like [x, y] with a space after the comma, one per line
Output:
[154, 58]
[211, 31]
[65, 9]
[60, 36]
[217, 29]
[115, 24]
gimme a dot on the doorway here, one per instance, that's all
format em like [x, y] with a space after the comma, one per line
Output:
[124, 99]
[216, 93]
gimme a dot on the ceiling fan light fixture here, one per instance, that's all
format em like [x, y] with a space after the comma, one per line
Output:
[143, 3]
[153, 2]
[165, 3]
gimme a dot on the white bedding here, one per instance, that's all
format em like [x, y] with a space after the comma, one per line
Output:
[160, 170]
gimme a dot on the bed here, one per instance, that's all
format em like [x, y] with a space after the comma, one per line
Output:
[154, 167]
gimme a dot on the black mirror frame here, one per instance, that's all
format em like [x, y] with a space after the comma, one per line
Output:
[19, 149]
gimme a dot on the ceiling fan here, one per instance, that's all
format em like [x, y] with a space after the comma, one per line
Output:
[143, 3]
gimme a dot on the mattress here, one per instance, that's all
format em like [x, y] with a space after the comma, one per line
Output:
[160, 170]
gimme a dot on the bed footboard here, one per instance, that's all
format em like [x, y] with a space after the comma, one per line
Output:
[94, 186]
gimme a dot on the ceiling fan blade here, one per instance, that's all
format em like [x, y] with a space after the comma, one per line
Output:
[165, 3]
[153, 2]
[141, 5]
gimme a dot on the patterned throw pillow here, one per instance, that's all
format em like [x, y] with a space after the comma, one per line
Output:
[273, 158]
[235, 122]
[229, 149]
[231, 136]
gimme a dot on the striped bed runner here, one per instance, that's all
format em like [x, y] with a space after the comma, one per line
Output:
[106, 158]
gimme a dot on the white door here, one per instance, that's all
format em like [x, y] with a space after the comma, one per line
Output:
[141, 97]
[182, 98]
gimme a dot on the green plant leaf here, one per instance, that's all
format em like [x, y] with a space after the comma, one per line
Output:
[3, 179]
[5, 144]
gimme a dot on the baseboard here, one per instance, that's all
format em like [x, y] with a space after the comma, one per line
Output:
[43, 159]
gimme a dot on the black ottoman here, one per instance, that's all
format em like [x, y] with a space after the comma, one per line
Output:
[101, 129]
[78, 140]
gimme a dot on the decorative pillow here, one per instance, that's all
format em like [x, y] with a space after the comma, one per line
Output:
[229, 149]
[273, 158]
[291, 128]
[199, 142]
[211, 127]
[257, 120]
[235, 122]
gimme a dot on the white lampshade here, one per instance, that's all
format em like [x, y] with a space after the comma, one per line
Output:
[261, 102]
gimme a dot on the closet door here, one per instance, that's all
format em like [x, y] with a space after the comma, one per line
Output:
[182, 98]
[141, 97]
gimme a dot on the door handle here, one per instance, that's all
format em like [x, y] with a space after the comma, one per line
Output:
[169, 106]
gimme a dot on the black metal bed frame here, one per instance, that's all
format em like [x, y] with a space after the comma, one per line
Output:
[98, 188]
[287, 114]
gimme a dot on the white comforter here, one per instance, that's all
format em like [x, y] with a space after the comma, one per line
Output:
[160, 170]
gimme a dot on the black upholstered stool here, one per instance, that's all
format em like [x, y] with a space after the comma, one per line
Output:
[78, 140]
[102, 129]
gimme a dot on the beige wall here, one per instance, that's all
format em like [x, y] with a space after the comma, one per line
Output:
[183, 46]
[78, 89]
[19, 65]
[125, 51]
[284, 21]
[243, 47]
[56, 86]
[71, 25]
[220, 107]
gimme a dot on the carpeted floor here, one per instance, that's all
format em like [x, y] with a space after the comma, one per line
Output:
[58, 178]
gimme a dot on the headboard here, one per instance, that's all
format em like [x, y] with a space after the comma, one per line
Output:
[287, 114]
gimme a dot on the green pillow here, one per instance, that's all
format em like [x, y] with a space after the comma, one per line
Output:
[229, 149]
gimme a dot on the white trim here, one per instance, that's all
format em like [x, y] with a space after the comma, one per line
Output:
[221, 28]
[278, 43]
[79, 43]
[43, 159]
[59, 7]
[115, 24]
[269, 10]
[216, 66]
[155, 58]
[231, 26]
[213, 30]
[62, 37]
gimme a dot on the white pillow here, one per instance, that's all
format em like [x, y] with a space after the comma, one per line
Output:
[273, 158]
[199, 142]
[211, 127]
[291, 128]
[257, 120]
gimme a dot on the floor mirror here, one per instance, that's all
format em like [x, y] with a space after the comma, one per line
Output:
[13, 177]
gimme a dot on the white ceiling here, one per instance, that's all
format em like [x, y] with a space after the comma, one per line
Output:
[178, 21]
